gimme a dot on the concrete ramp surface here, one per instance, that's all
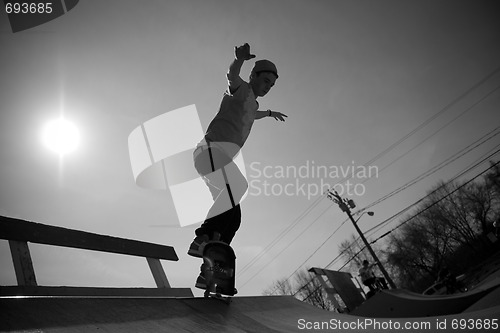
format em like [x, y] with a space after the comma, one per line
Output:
[244, 314]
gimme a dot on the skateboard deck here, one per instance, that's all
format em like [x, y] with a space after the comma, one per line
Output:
[219, 269]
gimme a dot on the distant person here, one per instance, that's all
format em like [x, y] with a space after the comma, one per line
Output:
[225, 136]
[368, 277]
[448, 280]
[496, 227]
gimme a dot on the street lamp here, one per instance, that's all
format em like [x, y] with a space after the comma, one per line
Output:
[369, 213]
[346, 205]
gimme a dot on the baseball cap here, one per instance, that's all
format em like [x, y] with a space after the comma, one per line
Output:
[265, 66]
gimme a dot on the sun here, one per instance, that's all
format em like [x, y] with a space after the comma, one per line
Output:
[61, 136]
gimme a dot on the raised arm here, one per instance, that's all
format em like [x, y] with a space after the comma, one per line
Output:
[241, 53]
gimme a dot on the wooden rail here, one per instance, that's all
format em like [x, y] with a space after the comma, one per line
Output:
[19, 233]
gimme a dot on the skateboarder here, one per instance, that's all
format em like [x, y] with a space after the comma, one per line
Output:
[225, 136]
[368, 277]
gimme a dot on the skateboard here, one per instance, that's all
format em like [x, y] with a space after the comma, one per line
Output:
[219, 268]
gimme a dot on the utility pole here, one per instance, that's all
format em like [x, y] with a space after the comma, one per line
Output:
[346, 205]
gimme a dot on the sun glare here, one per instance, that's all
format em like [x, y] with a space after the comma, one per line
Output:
[61, 136]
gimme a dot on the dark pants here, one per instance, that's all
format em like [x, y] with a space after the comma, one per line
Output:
[227, 186]
[371, 282]
[226, 224]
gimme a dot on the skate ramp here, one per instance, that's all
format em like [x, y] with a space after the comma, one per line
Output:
[140, 315]
[490, 300]
[85, 314]
[399, 303]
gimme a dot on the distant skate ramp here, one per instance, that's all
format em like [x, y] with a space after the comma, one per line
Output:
[399, 303]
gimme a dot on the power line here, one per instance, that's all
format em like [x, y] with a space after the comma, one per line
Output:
[462, 152]
[403, 210]
[441, 199]
[432, 170]
[429, 120]
[281, 235]
[487, 137]
[414, 181]
[415, 215]
[425, 123]
[439, 188]
[317, 249]
[286, 247]
[442, 127]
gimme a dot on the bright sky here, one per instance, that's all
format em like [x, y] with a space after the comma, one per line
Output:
[355, 78]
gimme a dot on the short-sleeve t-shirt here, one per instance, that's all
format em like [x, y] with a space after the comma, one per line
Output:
[235, 118]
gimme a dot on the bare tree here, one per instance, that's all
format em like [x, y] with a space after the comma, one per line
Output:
[304, 287]
[492, 179]
[445, 231]
[311, 291]
[280, 287]
[350, 251]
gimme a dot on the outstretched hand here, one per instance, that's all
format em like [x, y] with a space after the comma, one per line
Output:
[278, 115]
[243, 52]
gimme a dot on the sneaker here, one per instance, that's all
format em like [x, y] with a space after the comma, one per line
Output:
[197, 246]
[201, 282]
